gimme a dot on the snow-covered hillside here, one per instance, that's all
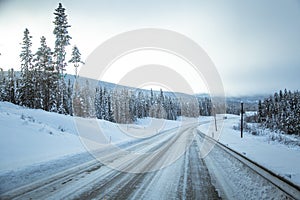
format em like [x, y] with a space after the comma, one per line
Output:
[30, 136]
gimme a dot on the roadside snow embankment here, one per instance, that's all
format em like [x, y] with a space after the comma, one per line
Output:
[31, 136]
[277, 157]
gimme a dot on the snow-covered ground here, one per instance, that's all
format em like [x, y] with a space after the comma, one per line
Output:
[30, 137]
[36, 144]
[40, 144]
[279, 158]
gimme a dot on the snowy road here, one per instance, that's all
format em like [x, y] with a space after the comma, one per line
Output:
[186, 177]
[172, 167]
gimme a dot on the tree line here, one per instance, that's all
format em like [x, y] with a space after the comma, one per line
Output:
[42, 84]
[123, 105]
[119, 104]
[281, 111]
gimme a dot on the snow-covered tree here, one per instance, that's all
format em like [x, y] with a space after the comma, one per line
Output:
[76, 59]
[69, 96]
[260, 114]
[62, 40]
[110, 114]
[84, 101]
[46, 77]
[121, 106]
[189, 107]
[281, 112]
[77, 100]
[2, 85]
[26, 90]
[10, 86]
[98, 102]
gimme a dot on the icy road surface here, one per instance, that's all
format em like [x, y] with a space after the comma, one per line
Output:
[186, 177]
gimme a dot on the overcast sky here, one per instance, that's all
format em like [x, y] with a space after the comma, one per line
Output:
[254, 44]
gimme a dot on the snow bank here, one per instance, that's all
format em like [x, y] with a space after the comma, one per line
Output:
[275, 156]
[30, 136]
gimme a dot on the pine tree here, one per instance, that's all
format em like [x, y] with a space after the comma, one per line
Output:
[104, 104]
[108, 115]
[10, 86]
[45, 77]
[2, 85]
[97, 103]
[141, 104]
[103, 108]
[62, 40]
[87, 100]
[147, 105]
[26, 90]
[151, 97]
[69, 97]
[281, 112]
[110, 111]
[161, 113]
[297, 112]
[121, 106]
[134, 107]
[76, 59]
[77, 100]
[116, 105]
[260, 114]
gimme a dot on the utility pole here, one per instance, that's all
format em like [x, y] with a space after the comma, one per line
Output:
[242, 113]
[215, 116]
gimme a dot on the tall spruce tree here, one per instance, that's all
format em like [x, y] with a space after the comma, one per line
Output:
[46, 80]
[62, 40]
[26, 89]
